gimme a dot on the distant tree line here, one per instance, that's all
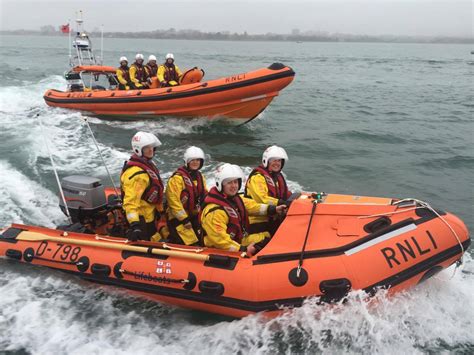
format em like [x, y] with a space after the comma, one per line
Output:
[295, 36]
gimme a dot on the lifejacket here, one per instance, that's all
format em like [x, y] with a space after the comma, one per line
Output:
[152, 70]
[125, 73]
[276, 183]
[193, 195]
[153, 194]
[140, 74]
[234, 208]
[170, 73]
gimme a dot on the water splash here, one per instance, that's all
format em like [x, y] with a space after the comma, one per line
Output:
[44, 311]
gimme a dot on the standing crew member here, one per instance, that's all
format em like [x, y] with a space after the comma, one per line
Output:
[151, 69]
[168, 72]
[266, 184]
[123, 75]
[185, 193]
[224, 217]
[137, 73]
[142, 188]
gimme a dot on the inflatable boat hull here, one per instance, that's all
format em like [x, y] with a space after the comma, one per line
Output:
[354, 243]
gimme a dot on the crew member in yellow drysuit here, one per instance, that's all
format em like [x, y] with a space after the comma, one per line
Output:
[266, 184]
[168, 72]
[224, 218]
[185, 193]
[142, 188]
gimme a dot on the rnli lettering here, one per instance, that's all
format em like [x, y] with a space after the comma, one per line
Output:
[233, 78]
[409, 249]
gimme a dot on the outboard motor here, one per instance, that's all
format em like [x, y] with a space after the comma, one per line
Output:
[85, 197]
[90, 209]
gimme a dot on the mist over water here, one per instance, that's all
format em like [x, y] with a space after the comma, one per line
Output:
[366, 119]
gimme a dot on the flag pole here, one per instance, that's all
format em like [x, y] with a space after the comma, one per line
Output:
[69, 38]
[102, 46]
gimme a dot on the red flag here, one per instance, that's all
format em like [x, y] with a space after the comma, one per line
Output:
[64, 28]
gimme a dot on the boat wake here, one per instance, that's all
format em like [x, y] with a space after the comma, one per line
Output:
[48, 312]
[28, 191]
[44, 312]
[26, 201]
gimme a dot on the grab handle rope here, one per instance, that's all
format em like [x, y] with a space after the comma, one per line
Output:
[428, 206]
[162, 278]
[423, 204]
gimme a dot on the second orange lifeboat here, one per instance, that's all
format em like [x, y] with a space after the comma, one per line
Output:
[239, 98]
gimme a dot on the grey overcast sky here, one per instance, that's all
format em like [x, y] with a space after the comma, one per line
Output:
[372, 17]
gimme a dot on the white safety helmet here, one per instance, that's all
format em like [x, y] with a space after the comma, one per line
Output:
[228, 172]
[169, 56]
[123, 59]
[152, 57]
[274, 152]
[142, 139]
[193, 153]
[139, 56]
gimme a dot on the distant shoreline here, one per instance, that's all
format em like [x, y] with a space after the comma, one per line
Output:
[269, 37]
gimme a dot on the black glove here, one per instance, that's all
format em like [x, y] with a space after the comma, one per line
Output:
[271, 210]
[261, 244]
[135, 233]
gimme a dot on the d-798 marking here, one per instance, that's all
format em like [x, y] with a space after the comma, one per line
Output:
[63, 251]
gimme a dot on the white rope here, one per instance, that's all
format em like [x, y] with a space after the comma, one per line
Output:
[423, 204]
[427, 205]
[121, 240]
[387, 213]
[166, 246]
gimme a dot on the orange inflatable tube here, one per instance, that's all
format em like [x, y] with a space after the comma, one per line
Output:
[323, 248]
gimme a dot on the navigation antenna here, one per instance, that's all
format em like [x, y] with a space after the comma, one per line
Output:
[55, 170]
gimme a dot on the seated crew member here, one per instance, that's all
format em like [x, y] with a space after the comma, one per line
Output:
[142, 188]
[266, 184]
[151, 68]
[185, 193]
[138, 74]
[224, 218]
[168, 72]
[123, 75]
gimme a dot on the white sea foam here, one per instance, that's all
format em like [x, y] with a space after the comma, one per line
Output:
[73, 148]
[162, 126]
[45, 312]
[23, 200]
[17, 100]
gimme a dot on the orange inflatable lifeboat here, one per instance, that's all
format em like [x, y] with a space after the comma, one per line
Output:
[326, 246]
[238, 97]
